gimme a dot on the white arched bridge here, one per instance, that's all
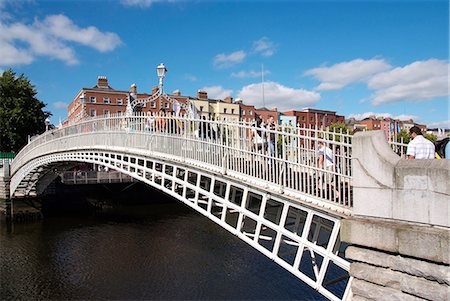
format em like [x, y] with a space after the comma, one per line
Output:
[262, 184]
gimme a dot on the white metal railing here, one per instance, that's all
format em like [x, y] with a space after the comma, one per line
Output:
[94, 177]
[285, 161]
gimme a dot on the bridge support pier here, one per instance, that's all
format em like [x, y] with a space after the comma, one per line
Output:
[397, 260]
[399, 234]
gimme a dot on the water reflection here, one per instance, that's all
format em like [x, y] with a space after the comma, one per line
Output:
[153, 251]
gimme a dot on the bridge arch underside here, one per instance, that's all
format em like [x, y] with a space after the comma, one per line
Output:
[302, 239]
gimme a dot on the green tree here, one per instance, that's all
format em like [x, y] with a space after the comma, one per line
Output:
[338, 127]
[403, 137]
[432, 137]
[21, 113]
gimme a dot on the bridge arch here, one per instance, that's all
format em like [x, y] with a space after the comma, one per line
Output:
[301, 237]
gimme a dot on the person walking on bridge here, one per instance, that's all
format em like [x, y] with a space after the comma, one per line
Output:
[419, 147]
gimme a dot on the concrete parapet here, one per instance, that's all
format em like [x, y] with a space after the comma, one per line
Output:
[386, 186]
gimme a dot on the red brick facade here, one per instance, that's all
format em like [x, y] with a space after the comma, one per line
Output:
[313, 117]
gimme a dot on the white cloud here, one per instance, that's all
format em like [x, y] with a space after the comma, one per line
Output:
[140, 3]
[277, 95]
[62, 27]
[383, 115]
[342, 74]
[249, 74]
[264, 46]
[440, 124]
[227, 60]
[190, 77]
[421, 80]
[21, 43]
[217, 92]
[60, 105]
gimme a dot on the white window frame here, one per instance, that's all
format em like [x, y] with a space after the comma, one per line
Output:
[93, 112]
[93, 99]
[152, 104]
[119, 101]
[106, 113]
[166, 105]
[224, 110]
[106, 100]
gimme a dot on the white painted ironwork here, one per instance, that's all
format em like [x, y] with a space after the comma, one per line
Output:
[227, 147]
[301, 239]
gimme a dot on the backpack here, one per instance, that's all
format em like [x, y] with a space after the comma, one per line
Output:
[440, 147]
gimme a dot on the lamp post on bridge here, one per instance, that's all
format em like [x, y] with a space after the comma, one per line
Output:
[161, 71]
[47, 123]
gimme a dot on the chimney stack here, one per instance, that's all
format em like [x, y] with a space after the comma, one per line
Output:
[228, 99]
[202, 94]
[133, 89]
[102, 82]
[274, 109]
[176, 93]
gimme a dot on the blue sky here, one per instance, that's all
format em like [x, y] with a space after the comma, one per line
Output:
[358, 58]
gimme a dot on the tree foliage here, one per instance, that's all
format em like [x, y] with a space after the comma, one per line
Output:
[21, 113]
[403, 137]
[338, 127]
[432, 137]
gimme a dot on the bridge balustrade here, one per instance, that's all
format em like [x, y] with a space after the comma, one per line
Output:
[224, 146]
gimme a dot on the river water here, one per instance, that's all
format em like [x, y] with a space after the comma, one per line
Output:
[156, 250]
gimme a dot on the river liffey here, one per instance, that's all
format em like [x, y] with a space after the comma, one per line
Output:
[158, 250]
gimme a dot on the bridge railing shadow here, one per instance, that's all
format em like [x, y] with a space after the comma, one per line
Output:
[282, 158]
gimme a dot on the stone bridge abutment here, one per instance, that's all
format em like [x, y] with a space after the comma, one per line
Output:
[399, 233]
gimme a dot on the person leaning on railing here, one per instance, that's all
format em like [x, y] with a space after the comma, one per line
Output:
[419, 147]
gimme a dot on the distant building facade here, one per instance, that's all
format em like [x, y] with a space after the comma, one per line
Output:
[310, 117]
[265, 113]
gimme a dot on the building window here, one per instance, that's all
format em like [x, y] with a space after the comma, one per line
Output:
[119, 101]
[93, 99]
[250, 113]
[166, 105]
[303, 118]
[225, 110]
[106, 113]
[232, 111]
[106, 100]
[119, 113]
[93, 113]
[152, 104]
[201, 108]
[242, 112]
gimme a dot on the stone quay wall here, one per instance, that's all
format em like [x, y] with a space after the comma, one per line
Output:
[399, 233]
[4, 182]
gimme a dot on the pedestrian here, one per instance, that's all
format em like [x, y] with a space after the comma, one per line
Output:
[258, 136]
[161, 121]
[327, 164]
[419, 147]
[271, 127]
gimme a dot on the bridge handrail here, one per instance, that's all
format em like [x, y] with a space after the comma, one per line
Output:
[290, 168]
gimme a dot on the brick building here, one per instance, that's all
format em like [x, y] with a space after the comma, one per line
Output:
[266, 113]
[315, 118]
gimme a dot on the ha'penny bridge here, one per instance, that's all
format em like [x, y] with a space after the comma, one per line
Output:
[375, 226]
